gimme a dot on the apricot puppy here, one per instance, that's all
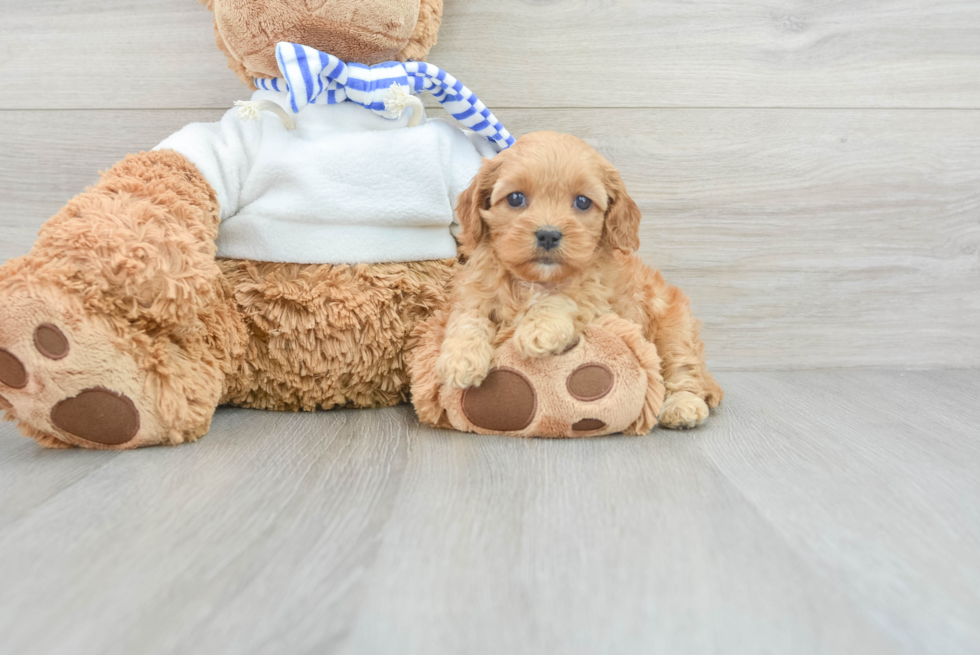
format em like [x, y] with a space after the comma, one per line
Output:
[550, 234]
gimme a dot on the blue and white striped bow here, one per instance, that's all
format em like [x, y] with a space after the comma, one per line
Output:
[314, 77]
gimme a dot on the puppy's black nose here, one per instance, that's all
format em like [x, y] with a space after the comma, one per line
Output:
[548, 238]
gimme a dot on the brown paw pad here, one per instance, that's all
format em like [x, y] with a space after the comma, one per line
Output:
[505, 402]
[50, 341]
[590, 382]
[12, 372]
[98, 415]
[588, 425]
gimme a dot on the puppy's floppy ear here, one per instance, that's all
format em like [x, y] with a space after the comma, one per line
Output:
[472, 201]
[622, 227]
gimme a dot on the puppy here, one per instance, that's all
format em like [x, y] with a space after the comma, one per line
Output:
[549, 235]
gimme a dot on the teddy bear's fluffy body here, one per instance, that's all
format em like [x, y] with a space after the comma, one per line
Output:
[157, 331]
[127, 269]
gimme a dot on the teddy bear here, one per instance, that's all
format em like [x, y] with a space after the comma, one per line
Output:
[276, 259]
[285, 256]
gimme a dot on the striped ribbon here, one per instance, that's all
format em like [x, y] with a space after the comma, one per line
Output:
[313, 77]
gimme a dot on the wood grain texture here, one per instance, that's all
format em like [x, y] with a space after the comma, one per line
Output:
[828, 511]
[804, 237]
[143, 534]
[515, 53]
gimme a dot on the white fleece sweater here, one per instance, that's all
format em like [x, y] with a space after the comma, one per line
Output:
[346, 186]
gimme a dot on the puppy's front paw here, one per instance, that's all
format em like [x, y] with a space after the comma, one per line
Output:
[536, 337]
[464, 364]
[683, 409]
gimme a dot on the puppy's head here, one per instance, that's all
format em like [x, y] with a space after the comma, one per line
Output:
[545, 206]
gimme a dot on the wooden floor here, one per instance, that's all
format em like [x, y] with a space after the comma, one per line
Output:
[817, 512]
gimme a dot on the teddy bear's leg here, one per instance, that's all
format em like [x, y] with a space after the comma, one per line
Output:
[117, 329]
[649, 362]
[608, 382]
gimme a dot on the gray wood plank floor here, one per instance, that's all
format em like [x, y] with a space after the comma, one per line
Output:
[833, 511]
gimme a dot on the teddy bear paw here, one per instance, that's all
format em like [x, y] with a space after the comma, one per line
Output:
[506, 401]
[62, 378]
[683, 410]
[602, 383]
[510, 400]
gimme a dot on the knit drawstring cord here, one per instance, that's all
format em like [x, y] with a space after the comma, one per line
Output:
[250, 110]
[399, 99]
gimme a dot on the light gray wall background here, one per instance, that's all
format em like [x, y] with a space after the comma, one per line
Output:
[809, 172]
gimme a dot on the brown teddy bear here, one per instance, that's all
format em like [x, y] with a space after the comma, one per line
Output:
[283, 257]
[210, 271]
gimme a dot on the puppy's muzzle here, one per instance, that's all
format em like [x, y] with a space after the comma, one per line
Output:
[548, 238]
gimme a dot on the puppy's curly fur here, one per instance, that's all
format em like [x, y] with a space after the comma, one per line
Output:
[519, 282]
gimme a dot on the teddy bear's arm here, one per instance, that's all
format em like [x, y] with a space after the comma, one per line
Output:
[223, 152]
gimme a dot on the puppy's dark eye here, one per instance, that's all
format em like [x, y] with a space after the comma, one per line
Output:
[516, 199]
[583, 203]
